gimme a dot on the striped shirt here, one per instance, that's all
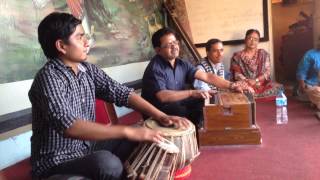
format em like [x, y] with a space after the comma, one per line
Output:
[59, 97]
[209, 67]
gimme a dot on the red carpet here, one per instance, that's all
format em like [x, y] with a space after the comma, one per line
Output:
[288, 152]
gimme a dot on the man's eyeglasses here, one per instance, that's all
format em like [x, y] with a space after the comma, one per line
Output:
[171, 44]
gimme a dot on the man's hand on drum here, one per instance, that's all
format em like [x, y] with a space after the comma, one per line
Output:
[175, 121]
[143, 134]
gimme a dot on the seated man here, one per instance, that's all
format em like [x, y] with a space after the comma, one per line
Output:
[211, 64]
[308, 76]
[252, 67]
[66, 139]
[164, 80]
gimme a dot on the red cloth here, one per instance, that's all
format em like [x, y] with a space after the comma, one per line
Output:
[183, 173]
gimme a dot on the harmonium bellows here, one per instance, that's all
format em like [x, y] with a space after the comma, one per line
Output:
[230, 118]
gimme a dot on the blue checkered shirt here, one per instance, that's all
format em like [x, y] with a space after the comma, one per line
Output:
[59, 97]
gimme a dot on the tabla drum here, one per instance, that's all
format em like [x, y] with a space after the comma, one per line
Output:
[154, 161]
[184, 139]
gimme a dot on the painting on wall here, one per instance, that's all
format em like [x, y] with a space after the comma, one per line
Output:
[119, 32]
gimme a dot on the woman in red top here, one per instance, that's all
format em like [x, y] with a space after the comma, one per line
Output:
[251, 66]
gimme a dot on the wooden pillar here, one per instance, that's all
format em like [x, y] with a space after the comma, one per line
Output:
[316, 21]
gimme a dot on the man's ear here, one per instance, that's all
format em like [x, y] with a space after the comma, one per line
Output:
[157, 49]
[61, 46]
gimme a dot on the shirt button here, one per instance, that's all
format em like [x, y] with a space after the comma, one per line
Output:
[83, 100]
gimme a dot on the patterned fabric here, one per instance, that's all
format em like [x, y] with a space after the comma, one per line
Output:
[309, 67]
[258, 66]
[59, 97]
[206, 66]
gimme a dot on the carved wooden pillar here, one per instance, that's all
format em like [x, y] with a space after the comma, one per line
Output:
[316, 21]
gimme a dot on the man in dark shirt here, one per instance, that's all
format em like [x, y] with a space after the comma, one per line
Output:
[165, 78]
[66, 139]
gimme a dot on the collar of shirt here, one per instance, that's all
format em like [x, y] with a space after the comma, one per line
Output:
[166, 63]
[215, 67]
[59, 64]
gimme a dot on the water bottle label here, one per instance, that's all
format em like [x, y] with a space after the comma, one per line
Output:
[281, 100]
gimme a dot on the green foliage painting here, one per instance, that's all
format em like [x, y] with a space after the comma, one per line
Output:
[119, 32]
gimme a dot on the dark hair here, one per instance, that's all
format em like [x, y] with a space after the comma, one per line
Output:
[250, 31]
[53, 27]
[159, 34]
[210, 42]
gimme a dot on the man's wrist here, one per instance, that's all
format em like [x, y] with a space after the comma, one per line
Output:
[190, 93]
[126, 132]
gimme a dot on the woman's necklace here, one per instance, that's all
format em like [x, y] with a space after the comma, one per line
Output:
[250, 55]
[250, 59]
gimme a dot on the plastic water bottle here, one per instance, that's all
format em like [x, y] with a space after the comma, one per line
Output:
[281, 103]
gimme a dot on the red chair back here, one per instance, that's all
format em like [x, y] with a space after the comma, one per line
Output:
[105, 113]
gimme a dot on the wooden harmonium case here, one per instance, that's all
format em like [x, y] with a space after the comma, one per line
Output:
[229, 110]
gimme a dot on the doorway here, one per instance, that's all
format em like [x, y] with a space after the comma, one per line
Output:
[292, 36]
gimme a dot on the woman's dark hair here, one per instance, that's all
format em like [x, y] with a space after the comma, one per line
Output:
[159, 34]
[210, 42]
[250, 31]
[53, 27]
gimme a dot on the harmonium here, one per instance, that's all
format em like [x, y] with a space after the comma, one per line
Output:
[230, 118]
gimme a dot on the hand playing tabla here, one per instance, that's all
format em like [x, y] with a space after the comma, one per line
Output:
[143, 134]
[175, 121]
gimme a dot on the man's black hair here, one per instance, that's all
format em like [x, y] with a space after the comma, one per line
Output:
[53, 27]
[159, 34]
[210, 42]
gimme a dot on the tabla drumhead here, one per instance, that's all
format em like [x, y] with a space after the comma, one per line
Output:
[169, 131]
